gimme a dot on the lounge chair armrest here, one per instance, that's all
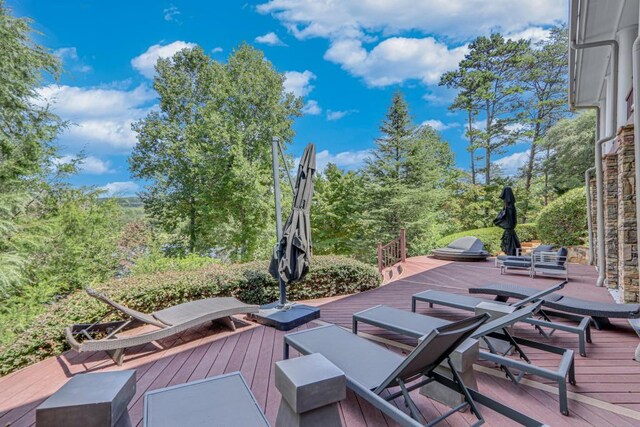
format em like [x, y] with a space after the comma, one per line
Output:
[541, 294]
[71, 339]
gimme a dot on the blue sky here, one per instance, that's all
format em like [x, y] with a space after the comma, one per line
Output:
[346, 58]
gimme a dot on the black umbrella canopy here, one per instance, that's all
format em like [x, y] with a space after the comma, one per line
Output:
[508, 219]
[294, 249]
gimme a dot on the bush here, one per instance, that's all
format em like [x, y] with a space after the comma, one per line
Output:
[563, 222]
[156, 262]
[251, 283]
[491, 236]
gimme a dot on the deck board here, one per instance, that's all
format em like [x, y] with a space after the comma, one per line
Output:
[608, 379]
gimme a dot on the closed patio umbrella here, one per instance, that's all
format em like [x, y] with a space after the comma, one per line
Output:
[293, 253]
[507, 220]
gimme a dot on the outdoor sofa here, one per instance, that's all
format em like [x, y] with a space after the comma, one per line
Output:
[599, 312]
[372, 370]
[167, 322]
[463, 249]
[416, 325]
[521, 257]
[539, 262]
[469, 303]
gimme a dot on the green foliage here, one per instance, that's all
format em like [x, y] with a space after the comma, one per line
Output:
[157, 262]
[329, 276]
[491, 236]
[564, 221]
[207, 151]
[569, 147]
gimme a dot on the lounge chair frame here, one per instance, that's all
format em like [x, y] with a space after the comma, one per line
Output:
[497, 329]
[554, 307]
[405, 374]
[582, 330]
[115, 346]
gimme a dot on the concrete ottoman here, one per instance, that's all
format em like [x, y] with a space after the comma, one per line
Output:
[90, 400]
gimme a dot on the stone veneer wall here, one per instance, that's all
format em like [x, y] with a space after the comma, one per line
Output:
[627, 225]
[610, 169]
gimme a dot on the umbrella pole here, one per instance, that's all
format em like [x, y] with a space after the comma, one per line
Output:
[276, 192]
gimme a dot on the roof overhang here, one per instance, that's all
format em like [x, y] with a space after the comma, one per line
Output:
[594, 21]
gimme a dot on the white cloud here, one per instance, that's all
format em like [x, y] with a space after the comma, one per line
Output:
[456, 19]
[270, 39]
[344, 160]
[337, 115]
[90, 165]
[311, 108]
[512, 163]
[100, 117]
[299, 83]
[535, 34]
[66, 53]
[439, 125]
[171, 14]
[217, 49]
[396, 59]
[120, 188]
[146, 62]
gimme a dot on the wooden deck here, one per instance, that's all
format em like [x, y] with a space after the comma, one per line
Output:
[607, 393]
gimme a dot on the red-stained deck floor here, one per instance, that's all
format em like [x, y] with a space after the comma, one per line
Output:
[607, 393]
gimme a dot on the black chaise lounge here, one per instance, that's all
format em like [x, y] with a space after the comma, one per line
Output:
[464, 249]
[371, 370]
[469, 303]
[600, 312]
[416, 325]
[167, 322]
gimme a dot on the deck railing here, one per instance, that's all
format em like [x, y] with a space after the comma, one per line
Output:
[393, 252]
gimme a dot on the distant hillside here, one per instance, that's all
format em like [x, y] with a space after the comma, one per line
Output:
[126, 202]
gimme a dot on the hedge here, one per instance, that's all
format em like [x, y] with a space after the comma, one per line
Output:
[491, 236]
[563, 222]
[329, 276]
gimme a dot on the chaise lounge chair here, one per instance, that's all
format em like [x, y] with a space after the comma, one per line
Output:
[371, 369]
[469, 303]
[416, 325]
[600, 312]
[168, 322]
[463, 249]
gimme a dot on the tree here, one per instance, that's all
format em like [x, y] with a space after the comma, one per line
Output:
[336, 216]
[27, 131]
[569, 146]
[543, 72]
[488, 81]
[207, 151]
[406, 180]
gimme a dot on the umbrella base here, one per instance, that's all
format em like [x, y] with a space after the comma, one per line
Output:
[285, 318]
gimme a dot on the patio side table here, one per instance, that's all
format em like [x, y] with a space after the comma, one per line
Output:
[90, 400]
[223, 401]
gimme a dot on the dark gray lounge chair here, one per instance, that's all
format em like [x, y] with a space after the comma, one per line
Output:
[464, 249]
[599, 312]
[540, 262]
[469, 303]
[168, 322]
[417, 325]
[372, 369]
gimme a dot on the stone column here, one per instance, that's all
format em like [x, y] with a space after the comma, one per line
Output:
[610, 168]
[627, 226]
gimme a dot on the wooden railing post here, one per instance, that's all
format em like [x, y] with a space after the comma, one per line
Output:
[403, 244]
[380, 257]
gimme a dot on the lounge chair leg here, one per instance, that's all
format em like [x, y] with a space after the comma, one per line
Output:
[415, 413]
[601, 322]
[562, 397]
[117, 355]
[226, 321]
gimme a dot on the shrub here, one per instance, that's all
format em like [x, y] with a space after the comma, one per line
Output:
[564, 221]
[156, 262]
[251, 283]
[491, 236]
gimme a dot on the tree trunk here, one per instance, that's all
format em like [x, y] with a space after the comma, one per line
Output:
[487, 160]
[528, 176]
[546, 179]
[471, 148]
